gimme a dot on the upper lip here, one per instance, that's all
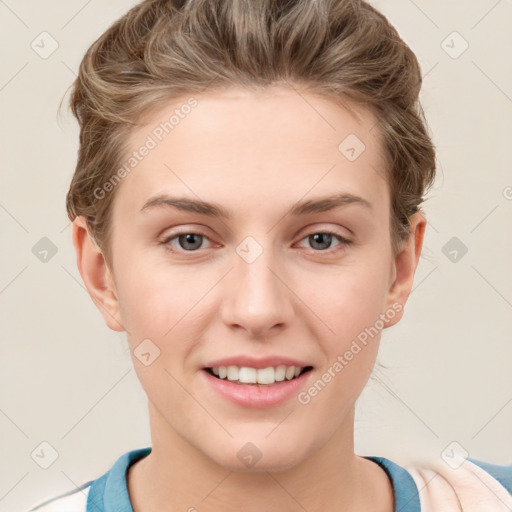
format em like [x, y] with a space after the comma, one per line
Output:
[253, 362]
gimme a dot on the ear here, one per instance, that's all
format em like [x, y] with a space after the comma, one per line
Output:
[404, 268]
[95, 274]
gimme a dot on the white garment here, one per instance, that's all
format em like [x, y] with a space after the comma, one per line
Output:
[468, 488]
[73, 502]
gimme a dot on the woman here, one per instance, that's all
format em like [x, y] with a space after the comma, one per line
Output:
[247, 207]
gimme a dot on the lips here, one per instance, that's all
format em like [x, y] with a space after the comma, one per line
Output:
[256, 395]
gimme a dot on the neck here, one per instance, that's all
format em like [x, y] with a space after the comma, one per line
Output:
[177, 476]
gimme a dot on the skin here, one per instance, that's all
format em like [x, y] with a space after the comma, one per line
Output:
[257, 153]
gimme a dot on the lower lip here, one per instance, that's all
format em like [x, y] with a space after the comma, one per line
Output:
[258, 397]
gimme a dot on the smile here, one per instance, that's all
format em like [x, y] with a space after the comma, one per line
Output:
[258, 376]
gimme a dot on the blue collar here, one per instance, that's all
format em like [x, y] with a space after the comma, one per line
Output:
[404, 487]
[109, 493]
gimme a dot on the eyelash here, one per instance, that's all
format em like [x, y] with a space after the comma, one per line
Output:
[344, 242]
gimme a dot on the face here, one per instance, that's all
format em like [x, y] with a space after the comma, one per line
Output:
[290, 262]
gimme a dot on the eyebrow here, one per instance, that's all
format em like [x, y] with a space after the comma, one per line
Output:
[318, 205]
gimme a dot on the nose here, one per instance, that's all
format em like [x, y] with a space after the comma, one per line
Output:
[257, 298]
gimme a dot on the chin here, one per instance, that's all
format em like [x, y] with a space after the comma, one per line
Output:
[250, 459]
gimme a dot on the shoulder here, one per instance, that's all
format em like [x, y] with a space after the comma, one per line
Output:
[73, 501]
[467, 482]
[108, 492]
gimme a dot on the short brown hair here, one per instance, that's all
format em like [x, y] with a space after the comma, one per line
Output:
[344, 50]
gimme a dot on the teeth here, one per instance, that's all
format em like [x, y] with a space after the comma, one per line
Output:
[247, 375]
[232, 373]
[280, 373]
[265, 376]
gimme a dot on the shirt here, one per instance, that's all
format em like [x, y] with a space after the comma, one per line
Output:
[432, 486]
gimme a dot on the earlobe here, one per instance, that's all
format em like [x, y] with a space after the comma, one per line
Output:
[405, 264]
[95, 274]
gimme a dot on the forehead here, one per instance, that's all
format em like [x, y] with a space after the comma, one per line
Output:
[236, 144]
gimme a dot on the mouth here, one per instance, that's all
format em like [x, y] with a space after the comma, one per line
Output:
[260, 377]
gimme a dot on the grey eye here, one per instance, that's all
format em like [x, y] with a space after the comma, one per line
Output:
[321, 240]
[190, 241]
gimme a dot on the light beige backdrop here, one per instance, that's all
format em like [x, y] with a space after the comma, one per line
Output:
[67, 381]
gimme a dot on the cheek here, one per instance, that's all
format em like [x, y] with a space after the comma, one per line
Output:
[350, 298]
[158, 312]
[350, 305]
[164, 303]
[156, 297]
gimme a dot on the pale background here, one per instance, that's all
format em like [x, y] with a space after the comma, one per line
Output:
[67, 380]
